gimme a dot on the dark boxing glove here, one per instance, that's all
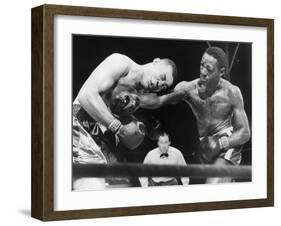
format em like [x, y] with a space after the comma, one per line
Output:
[211, 147]
[153, 128]
[132, 134]
[124, 103]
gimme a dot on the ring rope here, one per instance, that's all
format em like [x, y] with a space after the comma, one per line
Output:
[153, 170]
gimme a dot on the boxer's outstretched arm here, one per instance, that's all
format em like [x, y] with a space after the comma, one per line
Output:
[240, 122]
[153, 101]
[100, 82]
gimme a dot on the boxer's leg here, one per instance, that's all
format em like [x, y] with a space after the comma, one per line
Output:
[216, 180]
[85, 150]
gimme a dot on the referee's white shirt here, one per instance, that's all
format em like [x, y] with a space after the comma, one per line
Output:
[175, 157]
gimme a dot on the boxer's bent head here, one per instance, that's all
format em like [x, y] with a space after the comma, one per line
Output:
[173, 66]
[159, 75]
[213, 66]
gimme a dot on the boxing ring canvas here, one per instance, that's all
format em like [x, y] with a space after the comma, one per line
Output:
[69, 42]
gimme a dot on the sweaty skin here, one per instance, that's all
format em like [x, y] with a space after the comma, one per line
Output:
[216, 104]
[225, 105]
[119, 73]
[118, 85]
[214, 101]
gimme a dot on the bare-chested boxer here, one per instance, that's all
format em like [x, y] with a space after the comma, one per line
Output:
[113, 92]
[219, 109]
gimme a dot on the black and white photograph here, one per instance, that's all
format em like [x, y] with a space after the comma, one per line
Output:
[177, 111]
[150, 112]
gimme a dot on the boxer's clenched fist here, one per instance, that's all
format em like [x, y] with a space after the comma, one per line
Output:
[182, 89]
[132, 134]
[124, 103]
[153, 128]
[209, 149]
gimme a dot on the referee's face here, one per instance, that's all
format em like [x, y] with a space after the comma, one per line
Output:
[163, 143]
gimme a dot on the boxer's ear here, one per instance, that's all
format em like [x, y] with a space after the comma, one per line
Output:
[222, 72]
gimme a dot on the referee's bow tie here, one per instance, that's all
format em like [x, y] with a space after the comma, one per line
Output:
[163, 155]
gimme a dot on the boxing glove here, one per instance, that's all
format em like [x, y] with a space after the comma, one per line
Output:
[212, 146]
[209, 149]
[124, 103]
[132, 134]
[153, 128]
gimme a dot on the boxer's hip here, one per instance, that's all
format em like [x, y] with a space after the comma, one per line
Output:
[89, 144]
[88, 123]
[85, 147]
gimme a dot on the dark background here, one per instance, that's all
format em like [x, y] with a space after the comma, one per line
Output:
[178, 120]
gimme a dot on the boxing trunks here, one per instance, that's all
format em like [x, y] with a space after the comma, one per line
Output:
[85, 138]
[90, 145]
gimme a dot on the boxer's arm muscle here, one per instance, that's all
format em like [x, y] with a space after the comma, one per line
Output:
[185, 87]
[153, 101]
[240, 122]
[100, 82]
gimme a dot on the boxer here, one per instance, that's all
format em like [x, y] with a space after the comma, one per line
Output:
[116, 88]
[219, 109]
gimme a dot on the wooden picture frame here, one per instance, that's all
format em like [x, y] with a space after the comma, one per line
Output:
[43, 111]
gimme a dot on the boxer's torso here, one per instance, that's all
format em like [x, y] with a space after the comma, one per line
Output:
[213, 111]
[125, 92]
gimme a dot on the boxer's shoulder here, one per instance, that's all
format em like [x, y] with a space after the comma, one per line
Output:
[229, 86]
[187, 86]
[118, 56]
[233, 92]
[118, 59]
[193, 89]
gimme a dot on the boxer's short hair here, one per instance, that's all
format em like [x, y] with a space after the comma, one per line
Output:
[221, 57]
[174, 68]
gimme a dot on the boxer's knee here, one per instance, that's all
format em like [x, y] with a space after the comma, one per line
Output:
[222, 162]
[217, 180]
